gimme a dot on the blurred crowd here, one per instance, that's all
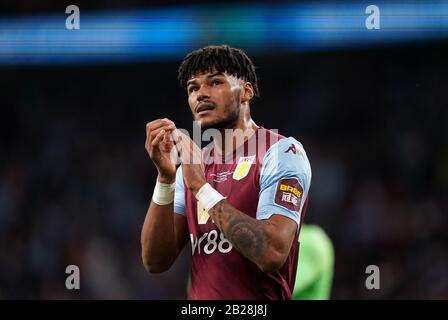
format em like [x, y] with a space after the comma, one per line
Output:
[75, 179]
[30, 7]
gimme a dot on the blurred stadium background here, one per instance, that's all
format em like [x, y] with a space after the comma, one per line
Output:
[370, 107]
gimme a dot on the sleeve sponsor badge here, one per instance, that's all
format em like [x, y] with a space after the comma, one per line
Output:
[289, 194]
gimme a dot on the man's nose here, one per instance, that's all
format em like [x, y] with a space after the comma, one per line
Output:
[203, 94]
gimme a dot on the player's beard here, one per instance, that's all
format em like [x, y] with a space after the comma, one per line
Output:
[227, 121]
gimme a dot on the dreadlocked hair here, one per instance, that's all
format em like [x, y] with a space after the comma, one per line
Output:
[222, 59]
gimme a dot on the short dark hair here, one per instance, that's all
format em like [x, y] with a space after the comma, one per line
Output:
[221, 58]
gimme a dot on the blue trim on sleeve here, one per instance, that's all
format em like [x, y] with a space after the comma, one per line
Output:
[277, 165]
[179, 193]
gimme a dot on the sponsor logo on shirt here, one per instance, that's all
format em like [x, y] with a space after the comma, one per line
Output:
[291, 148]
[209, 243]
[289, 194]
[288, 188]
[221, 176]
[243, 167]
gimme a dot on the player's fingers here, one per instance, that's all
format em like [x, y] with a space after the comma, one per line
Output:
[154, 122]
[151, 133]
[149, 130]
[158, 138]
[167, 138]
[168, 121]
[154, 133]
[170, 127]
[154, 125]
[166, 142]
[166, 127]
[148, 137]
[150, 126]
[154, 129]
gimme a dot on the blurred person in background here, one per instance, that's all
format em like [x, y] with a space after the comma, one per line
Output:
[316, 264]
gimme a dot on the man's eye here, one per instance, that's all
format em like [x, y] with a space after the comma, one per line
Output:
[191, 89]
[216, 82]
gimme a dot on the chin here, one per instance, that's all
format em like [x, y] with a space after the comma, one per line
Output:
[218, 123]
[207, 124]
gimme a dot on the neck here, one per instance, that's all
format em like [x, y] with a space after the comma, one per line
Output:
[232, 138]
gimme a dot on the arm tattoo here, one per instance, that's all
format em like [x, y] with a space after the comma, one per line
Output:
[219, 209]
[246, 234]
[248, 239]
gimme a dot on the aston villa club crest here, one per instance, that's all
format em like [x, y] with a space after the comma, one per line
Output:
[243, 167]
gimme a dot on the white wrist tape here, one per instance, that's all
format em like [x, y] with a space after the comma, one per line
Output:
[208, 196]
[163, 193]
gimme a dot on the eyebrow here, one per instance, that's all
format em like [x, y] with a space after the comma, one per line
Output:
[208, 76]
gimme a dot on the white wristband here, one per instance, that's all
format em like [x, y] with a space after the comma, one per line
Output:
[208, 196]
[163, 193]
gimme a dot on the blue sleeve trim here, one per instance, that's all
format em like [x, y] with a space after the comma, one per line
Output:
[278, 164]
[179, 193]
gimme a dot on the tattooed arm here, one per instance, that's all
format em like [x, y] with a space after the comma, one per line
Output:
[265, 242]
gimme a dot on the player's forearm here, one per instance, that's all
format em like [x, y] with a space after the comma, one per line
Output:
[251, 237]
[158, 238]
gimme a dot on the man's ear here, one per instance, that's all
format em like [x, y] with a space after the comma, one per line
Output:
[247, 92]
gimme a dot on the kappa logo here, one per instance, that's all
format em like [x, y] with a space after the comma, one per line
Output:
[243, 167]
[292, 148]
